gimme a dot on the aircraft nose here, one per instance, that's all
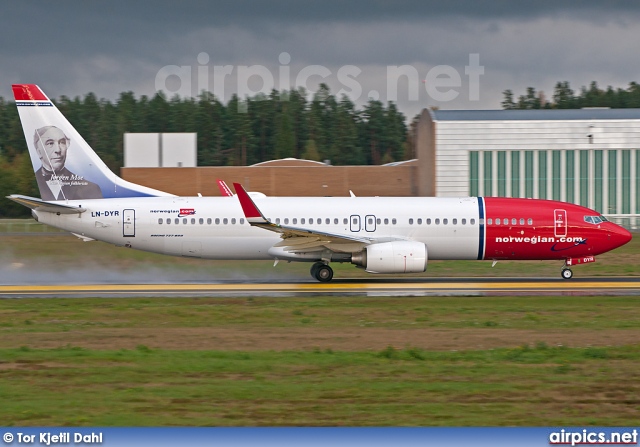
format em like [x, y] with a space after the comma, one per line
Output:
[619, 236]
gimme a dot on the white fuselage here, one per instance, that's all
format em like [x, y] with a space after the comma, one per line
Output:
[215, 227]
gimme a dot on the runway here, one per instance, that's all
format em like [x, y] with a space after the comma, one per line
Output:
[380, 287]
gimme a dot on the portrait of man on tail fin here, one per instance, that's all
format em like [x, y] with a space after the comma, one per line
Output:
[55, 181]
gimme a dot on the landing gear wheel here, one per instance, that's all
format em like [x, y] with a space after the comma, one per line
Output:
[567, 273]
[315, 267]
[324, 273]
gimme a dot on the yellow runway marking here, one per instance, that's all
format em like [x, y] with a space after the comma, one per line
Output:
[543, 286]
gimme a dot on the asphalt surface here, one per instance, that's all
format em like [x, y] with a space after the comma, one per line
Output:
[368, 287]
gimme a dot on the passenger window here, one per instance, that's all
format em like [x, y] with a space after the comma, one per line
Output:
[225, 221]
[455, 221]
[472, 222]
[429, 221]
[278, 220]
[160, 221]
[294, 221]
[419, 221]
[514, 221]
[506, 221]
[386, 221]
[302, 221]
[437, 221]
[522, 221]
[410, 221]
[335, 221]
[176, 221]
[286, 221]
[319, 221]
[201, 221]
[497, 221]
[489, 221]
[233, 221]
[208, 221]
[378, 221]
[345, 221]
[464, 221]
[530, 221]
[241, 221]
[445, 221]
[217, 221]
[193, 221]
[327, 221]
[393, 221]
[168, 221]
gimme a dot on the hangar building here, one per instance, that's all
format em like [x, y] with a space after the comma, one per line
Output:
[586, 156]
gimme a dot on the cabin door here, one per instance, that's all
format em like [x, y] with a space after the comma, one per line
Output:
[129, 223]
[559, 223]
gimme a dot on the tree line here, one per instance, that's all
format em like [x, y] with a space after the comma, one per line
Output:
[564, 97]
[241, 132]
[264, 127]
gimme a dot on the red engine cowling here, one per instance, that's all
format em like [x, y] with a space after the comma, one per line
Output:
[393, 257]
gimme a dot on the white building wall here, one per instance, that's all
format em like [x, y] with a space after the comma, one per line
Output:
[154, 150]
[454, 140]
[179, 150]
[141, 150]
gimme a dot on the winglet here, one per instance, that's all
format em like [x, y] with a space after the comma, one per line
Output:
[224, 189]
[250, 210]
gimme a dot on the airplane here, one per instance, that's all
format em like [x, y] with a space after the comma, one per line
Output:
[393, 235]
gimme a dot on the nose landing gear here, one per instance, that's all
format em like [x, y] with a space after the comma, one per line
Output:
[322, 272]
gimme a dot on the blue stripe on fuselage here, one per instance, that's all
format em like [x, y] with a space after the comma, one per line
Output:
[481, 226]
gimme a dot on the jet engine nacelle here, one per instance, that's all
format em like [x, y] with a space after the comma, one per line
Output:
[393, 257]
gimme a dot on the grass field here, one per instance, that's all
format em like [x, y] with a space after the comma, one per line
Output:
[320, 361]
[327, 361]
[64, 258]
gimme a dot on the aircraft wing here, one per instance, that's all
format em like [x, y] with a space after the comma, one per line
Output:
[296, 239]
[41, 205]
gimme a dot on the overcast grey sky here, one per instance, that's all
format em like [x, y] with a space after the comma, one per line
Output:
[75, 47]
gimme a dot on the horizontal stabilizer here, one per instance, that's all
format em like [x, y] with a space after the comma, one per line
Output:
[41, 205]
[83, 238]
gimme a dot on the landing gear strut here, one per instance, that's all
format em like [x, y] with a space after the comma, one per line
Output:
[567, 273]
[322, 272]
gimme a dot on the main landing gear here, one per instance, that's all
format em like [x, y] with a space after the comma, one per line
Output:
[321, 271]
[566, 273]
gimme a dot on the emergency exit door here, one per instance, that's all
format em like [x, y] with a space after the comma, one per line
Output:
[355, 223]
[129, 223]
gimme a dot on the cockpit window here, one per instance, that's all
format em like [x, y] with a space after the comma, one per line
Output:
[595, 219]
[604, 219]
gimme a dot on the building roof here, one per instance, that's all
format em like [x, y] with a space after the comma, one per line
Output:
[538, 114]
[291, 162]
